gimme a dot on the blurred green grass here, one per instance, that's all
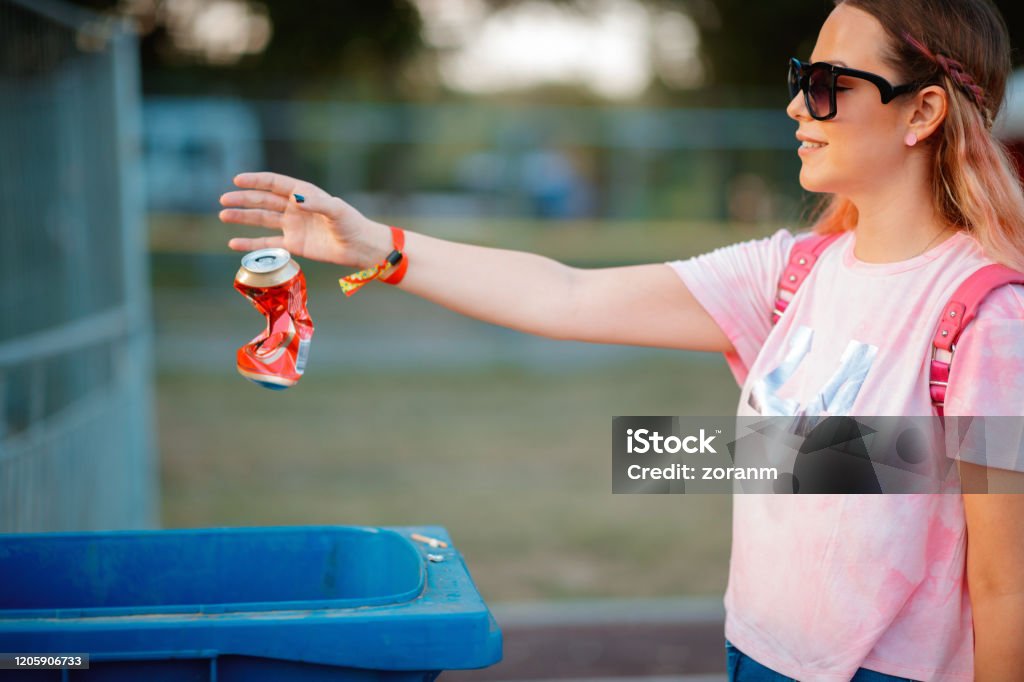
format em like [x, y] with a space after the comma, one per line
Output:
[513, 461]
[515, 464]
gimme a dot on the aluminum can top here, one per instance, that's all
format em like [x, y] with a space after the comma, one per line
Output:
[266, 268]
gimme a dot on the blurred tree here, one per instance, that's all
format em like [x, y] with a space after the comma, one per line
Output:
[313, 44]
[737, 48]
[364, 47]
[747, 43]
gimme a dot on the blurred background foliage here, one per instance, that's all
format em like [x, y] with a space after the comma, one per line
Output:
[379, 49]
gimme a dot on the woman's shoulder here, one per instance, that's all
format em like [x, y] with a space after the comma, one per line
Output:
[766, 247]
[788, 238]
[1002, 303]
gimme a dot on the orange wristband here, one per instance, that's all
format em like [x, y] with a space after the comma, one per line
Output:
[398, 244]
[396, 262]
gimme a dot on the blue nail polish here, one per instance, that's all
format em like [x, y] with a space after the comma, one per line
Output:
[299, 198]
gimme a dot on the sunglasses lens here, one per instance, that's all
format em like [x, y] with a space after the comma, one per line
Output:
[817, 82]
[794, 80]
[819, 92]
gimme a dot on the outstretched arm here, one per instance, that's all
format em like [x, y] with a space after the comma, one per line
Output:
[644, 305]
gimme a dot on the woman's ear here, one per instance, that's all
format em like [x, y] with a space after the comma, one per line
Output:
[929, 111]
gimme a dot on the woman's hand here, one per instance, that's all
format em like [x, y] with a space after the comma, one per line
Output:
[319, 227]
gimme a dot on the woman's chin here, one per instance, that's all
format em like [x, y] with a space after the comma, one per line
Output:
[813, 183]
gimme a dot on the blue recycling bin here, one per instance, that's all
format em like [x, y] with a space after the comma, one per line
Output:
[253, 604]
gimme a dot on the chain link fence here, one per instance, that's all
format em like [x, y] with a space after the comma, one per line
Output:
[76, 431]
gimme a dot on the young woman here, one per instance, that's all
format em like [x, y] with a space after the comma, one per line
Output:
[894, 114]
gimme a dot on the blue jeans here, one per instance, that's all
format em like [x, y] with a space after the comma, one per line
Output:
[743, 668]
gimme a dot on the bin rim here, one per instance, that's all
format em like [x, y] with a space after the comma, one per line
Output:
[192, 610]
[448, 626]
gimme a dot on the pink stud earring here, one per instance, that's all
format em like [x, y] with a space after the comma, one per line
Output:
[910, 139]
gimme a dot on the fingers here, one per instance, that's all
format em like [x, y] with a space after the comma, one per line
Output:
[254, 199]
[326, 205]
[281, 185]
[252, 216]
[276, 192]
[247, 244]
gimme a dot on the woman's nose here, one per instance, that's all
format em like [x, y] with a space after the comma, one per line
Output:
[797, 107]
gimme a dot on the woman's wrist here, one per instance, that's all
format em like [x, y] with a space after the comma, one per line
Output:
[374, 246]
[391, 269]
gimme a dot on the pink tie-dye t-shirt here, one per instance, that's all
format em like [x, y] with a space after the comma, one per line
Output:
[820, 585]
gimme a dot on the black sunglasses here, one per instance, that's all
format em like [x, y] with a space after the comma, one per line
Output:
[818, 81]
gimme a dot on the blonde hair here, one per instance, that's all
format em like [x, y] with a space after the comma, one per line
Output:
[963, 46]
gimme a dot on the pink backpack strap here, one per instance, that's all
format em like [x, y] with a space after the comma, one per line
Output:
[802, 258]
[962, 307]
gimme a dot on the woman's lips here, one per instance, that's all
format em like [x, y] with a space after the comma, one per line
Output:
[809, 147]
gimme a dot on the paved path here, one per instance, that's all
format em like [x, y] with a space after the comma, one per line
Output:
[654, 640]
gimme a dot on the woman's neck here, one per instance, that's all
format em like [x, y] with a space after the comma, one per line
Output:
[898, 223]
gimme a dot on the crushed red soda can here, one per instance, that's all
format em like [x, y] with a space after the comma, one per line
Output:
[275, 285]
